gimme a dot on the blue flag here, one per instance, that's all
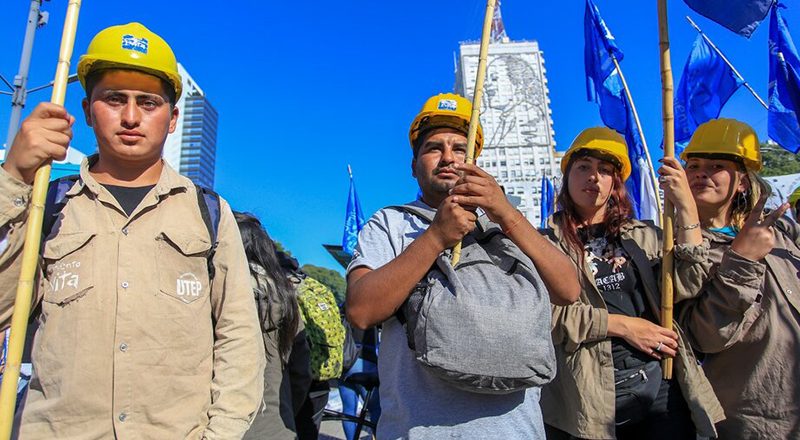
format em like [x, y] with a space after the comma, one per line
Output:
[784, 85]
[740, 16]
[547, 199]
[353, 220]
[604, 86]
[706, 84]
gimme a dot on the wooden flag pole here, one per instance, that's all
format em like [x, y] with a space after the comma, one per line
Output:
[33, 237]
[474, 119]
[668, 117]
[638, 122]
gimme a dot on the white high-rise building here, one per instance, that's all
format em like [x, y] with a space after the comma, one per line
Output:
[519, 145]
[192, 148]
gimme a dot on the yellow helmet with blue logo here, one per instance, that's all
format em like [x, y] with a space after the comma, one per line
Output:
[131, 46]
[445, 110]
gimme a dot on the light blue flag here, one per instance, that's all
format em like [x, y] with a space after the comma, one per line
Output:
[706, 85]
[784, 84]
[740, 16]
[353, 220]
[547, 200]
[604, 86]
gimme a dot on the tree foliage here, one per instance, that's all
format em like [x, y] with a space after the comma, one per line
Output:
[328, 277]
[777, 161]
[280, 248]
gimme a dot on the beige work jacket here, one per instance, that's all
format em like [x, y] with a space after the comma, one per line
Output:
[134, 342]
[581, 398]
[747, 323]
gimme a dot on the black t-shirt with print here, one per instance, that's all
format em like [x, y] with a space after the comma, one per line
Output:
[616, 279]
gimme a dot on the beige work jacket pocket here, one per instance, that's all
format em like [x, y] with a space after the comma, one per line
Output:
[183, 266]
[68, 267]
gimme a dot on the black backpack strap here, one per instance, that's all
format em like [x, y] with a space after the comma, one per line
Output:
[55, 201]
[210, 211]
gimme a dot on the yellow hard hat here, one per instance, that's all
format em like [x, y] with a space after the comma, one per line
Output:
[727, 137]
[445, 110]
[794, 196]
[131, 46]
[606, 143]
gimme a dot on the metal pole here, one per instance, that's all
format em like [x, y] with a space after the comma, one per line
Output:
[641, 135]
[33, 238]
[668, 121]
[724, 58]
[21, 80]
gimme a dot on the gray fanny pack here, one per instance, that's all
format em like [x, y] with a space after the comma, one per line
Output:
[483, 326]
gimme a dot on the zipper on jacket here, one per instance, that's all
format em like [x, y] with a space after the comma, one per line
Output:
[638, 373]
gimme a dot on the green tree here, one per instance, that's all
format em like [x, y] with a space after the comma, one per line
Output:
[328, 277]
[777, 161]
[280, 248]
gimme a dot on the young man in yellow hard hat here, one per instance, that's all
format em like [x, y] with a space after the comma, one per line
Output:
[395, 251]
[147, 324]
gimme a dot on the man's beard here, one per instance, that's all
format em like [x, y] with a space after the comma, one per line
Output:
[442, 187]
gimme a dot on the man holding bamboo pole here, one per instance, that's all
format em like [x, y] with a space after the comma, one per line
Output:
[402, 251]
[147, 324]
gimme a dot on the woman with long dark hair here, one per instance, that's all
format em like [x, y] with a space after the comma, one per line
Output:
[609, 343]
[282, 330]
[746, 319]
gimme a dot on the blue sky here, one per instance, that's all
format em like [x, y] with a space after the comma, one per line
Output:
[304, 88]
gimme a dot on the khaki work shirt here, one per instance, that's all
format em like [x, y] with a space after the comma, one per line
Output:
[747, 322]
[134, 341]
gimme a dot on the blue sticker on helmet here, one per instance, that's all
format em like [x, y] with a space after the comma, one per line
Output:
[448, 104]
[132, 43]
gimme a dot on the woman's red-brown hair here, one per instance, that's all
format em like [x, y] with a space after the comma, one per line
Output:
[618, 211]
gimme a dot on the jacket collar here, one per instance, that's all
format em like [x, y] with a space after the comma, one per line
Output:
[628, 242]
[168, 181]
[555, 224]
[716, 237]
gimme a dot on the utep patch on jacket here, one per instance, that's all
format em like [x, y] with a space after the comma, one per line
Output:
[132, 43]
[63, 276]
[448, 104]
[188, 287]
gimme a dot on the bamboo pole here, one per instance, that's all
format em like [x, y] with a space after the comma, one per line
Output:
[33, 236]
[725, 59]
[669, 151]
[474, 119]
[638, 122]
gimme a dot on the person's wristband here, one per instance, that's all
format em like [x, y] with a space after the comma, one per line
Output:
[689, 227]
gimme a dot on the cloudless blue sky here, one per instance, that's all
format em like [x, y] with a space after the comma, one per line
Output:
[305, 87]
